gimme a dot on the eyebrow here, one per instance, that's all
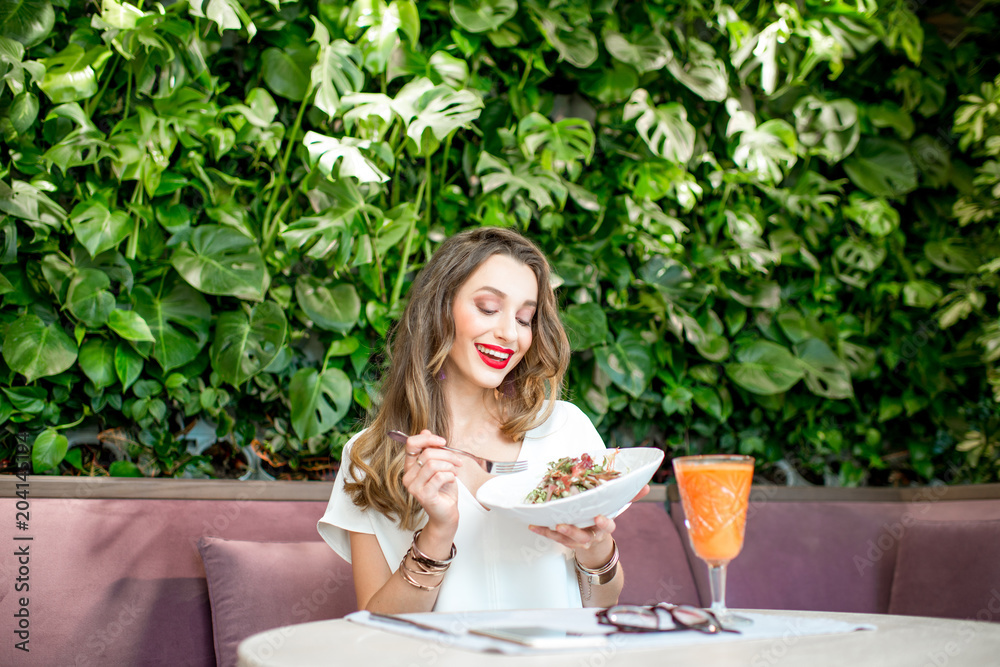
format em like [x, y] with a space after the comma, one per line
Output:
[503, 295]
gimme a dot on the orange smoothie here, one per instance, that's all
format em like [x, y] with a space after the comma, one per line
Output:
[714, 495]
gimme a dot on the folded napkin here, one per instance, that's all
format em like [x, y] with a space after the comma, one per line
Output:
[452, 629]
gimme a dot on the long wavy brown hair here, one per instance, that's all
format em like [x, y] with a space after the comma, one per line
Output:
[416, 349]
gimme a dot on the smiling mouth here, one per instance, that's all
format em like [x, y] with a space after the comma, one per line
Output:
[494, 357]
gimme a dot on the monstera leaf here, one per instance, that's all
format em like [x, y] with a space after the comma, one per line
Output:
[562, 143]
[482, 15]
[649, 53]
[826, 374]
[701, 71]
[35, 349]
[245, 344]
[319, 400]
[574, 42]
[221, 260]
[440, 109]
[326, 151]
[767, 150]
[337, 70]
[665, 128]
[178, 321]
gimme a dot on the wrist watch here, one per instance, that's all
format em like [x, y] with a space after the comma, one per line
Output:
[603, 574]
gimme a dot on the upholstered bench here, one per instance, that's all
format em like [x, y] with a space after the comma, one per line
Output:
[177, 572]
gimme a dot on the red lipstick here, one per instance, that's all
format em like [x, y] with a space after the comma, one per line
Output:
[491, 361]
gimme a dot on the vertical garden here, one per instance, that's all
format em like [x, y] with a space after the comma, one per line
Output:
[774, 225]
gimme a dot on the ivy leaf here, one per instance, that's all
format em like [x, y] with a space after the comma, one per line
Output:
[481, 15]
[334, 309]
[36, 350]
[98, 229]
[326, 151]
[129, 325]
[287, 71]
[337, 70]
[48, 450]
[221, 260]
[27, 21]
[717, 404]
[882, 167]
[826, 374]
[97, 361]
[244, 346]
[89, 299]
[71, 74]
[318, 400]
[128, 365]
[628, 362]
[764, 368]
[586, 325]
[179, 322]
[665, 128]
[23, 111]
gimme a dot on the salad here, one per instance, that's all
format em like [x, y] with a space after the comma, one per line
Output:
[569, 476]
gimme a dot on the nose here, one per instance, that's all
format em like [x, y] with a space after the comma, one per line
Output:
[507, 328]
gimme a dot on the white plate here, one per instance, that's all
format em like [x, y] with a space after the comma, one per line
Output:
[506, 493]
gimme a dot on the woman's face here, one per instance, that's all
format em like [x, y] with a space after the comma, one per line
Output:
[493, 311]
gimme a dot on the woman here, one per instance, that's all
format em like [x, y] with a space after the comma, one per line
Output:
[473, 363]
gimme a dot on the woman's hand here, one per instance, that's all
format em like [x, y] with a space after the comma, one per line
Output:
[593, 546]
[429, 474]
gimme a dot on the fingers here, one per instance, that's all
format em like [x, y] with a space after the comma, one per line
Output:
[578, 538]
[425, 446]
[642, 493]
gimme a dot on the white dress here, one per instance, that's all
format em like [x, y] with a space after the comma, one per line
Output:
[500, 564]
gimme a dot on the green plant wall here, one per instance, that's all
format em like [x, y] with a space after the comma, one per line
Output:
[774, 225]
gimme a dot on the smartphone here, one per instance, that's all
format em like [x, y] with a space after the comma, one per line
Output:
[537, 636]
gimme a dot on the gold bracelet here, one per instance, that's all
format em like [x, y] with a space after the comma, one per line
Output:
[403, 571]
[426, 561]
[606, 572]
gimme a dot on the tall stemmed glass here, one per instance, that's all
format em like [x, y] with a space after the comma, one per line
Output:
[714, 491]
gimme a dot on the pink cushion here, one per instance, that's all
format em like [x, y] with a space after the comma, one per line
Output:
[257, 586]
[120, 582]
[652, 557]
[948, 569]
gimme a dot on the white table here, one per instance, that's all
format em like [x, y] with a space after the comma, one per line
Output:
[899, 641]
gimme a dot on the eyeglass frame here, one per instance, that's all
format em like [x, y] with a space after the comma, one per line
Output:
[711, 626]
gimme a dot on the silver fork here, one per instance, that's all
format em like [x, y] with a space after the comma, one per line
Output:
[492, 467]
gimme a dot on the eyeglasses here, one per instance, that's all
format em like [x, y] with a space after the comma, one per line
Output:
[662, 617]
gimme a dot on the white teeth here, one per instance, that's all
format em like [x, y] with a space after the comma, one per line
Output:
[492, 353]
